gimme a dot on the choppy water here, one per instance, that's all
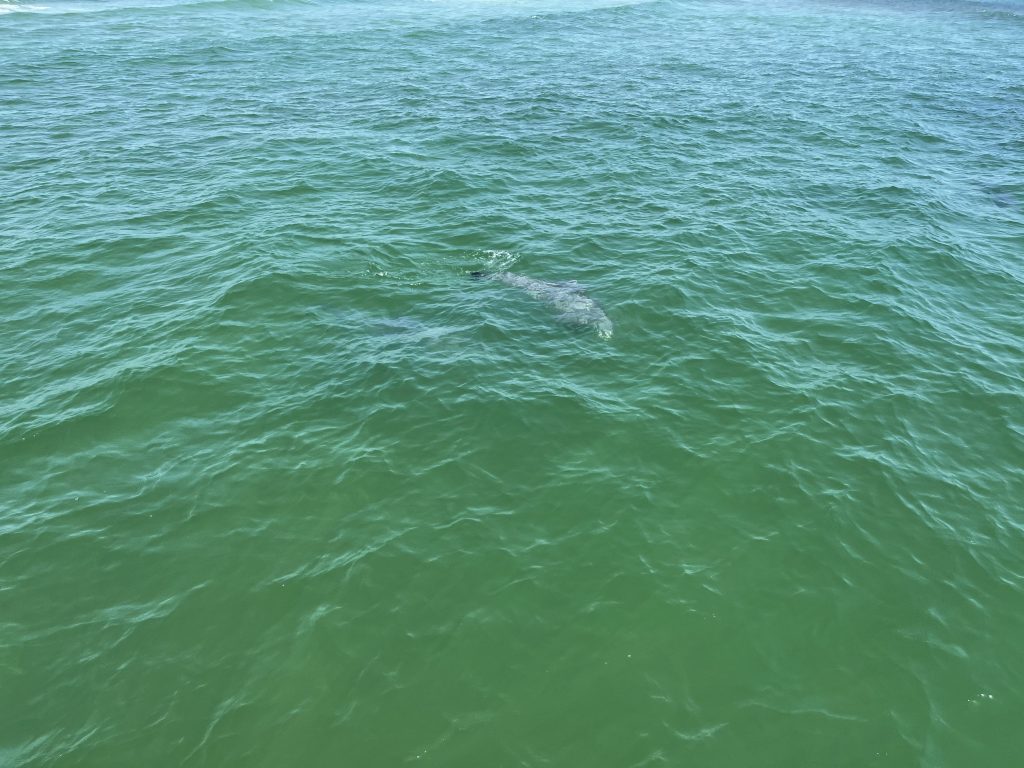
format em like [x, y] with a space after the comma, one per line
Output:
[281, 486]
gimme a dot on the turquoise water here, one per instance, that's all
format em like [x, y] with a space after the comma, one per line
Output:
[282, 485]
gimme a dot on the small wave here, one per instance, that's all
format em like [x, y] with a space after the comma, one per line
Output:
[62, 8]
[14, 7]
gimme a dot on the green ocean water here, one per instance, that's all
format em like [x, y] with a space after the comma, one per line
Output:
[282, 485]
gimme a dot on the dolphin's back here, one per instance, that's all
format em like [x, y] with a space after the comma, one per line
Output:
[573, 305]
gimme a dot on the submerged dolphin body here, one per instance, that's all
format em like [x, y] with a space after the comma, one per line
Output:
[574, 306]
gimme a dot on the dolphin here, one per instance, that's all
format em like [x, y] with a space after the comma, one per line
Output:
[574, 306]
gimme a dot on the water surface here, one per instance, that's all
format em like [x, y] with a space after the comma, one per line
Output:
[281, 485]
